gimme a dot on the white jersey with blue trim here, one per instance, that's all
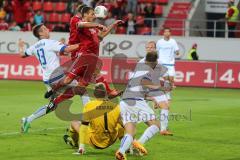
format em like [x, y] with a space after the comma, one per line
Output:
[46, 51]
[166, 51]
[134, 89]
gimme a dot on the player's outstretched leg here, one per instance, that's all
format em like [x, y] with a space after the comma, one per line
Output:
[126, 141]
[69, 93]
[154, 127]
[112, 93]
[27, 121]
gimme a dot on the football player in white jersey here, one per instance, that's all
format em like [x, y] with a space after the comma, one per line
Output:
[134, 108]
[167, 49]
[164, 105]
[47, 52]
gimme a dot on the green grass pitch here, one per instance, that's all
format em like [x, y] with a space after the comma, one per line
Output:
[211, 132]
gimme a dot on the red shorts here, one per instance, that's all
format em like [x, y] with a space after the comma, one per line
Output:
[83, 67]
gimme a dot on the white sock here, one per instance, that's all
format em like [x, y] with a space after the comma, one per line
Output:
[164, 119]
[148, 134]
[82, 146]
[85, 99]
[39, 113]
[125, 143]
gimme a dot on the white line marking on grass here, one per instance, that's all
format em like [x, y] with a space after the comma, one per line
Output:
[6, 133]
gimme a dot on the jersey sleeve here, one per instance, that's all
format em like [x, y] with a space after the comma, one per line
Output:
[58, 46]
[29, 51]
[176, 48]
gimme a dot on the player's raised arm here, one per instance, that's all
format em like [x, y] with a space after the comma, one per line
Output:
[104, 33]
[71, 48]
[91, 25]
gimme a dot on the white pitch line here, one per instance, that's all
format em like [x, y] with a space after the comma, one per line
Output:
[5, 133]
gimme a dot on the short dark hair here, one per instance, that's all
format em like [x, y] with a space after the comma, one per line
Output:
[80, 7]
[36, 29]
[100, 91]
[151, 56]
[167, 28]
[86, 9]
[153, 42]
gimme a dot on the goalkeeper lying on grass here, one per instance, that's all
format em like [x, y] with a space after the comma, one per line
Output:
[101, 124]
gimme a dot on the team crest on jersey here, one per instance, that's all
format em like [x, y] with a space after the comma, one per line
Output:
[93, 31]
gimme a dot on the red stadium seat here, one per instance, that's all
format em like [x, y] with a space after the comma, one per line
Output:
[140, 20]
[162, 1]
[144, 31]
[37, 6]
[150, 1]
[65, 18]
[50, 26]
[177, 16]
[158, 10]
[28, 5]
[60, 7]
[48, 6]
[174, 23]
[177, 32]
[29, 15]
[121, 30]
[53, 18]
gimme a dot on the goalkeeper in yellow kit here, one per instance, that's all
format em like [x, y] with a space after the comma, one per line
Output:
[101, 125]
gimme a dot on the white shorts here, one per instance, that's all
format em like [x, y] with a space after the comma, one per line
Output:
[170, 71]
[136, 111]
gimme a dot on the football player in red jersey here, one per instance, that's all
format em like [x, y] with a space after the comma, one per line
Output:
[86, 61]
[76, 38]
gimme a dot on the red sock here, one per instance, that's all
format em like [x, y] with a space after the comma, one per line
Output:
[66, 95]
[103, 80]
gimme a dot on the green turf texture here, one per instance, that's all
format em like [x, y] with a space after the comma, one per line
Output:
[211, 132]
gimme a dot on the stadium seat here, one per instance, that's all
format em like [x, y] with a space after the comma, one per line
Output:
[140, 20]
[48, 6]
[29, 15]
[144, 31]
[28, 5]
[53, 18]
[177, 16]
[174, 23]
[158, 10]
[162, 1]
[150, 1]
[121, 30]
[177, 33]
[50, 26]
[37, 5]
[65, 18]
[60, 7]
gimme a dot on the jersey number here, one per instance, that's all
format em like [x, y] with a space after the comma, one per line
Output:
[41, 56]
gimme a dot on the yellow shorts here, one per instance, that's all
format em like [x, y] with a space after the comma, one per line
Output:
[89, 135]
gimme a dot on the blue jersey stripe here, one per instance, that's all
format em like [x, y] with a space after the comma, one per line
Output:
[53, 79]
